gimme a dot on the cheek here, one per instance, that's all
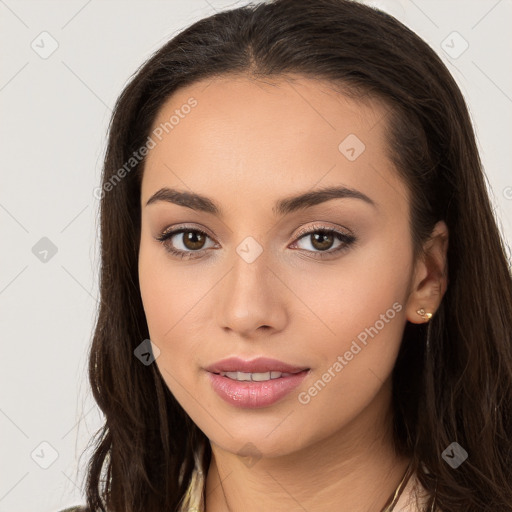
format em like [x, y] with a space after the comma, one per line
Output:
[170, 293]
[355, 356]
[359, 315]
[175, 308]
[165, 303]
[346, 298]
[158, 297]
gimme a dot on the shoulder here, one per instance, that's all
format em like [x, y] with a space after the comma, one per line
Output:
[77, 508]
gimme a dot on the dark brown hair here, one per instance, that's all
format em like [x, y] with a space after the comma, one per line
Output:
[452, 380]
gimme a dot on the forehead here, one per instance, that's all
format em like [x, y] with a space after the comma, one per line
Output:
[263, 135]
[289, 106]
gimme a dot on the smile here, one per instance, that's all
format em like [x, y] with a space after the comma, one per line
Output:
[255, 377]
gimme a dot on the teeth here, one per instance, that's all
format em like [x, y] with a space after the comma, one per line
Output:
[255, 377]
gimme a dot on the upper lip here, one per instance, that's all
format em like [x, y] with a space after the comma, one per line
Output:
[258, 365]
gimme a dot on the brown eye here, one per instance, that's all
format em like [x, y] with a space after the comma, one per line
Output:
[322, 240]
[185, 243]
[193, 240]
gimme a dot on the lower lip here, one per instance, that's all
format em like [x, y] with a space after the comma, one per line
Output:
[253, 395]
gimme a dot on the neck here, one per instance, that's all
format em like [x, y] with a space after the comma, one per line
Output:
[355, 469]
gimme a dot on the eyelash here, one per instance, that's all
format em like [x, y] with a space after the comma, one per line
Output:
[345, 238]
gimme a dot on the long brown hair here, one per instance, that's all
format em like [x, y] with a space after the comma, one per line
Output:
[452, 381]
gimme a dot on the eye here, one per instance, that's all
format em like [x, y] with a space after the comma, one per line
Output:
[184, 242]
[321, 239]
[188, 242]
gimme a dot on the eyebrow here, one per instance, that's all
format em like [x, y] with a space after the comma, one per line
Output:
[282, 207]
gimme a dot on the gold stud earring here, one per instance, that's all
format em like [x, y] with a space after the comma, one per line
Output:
[422, 313]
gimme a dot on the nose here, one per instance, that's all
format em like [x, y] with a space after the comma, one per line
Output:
[251, 299]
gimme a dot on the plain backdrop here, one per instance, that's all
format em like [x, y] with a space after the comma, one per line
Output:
[63, 65]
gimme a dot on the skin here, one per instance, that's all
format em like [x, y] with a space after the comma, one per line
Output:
[247, 144]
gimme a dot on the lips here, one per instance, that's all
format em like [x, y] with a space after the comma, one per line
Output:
[258, 365]
[254, 384]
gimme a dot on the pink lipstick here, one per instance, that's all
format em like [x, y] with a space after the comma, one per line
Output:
[254, 384]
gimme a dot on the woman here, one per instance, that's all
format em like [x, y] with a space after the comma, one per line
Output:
[293, 211]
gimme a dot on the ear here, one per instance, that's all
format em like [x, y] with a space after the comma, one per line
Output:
[430, 278]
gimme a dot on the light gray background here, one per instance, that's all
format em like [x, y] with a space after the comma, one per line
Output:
[55, 112]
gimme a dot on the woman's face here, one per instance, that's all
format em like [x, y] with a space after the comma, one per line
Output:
[320, 283]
